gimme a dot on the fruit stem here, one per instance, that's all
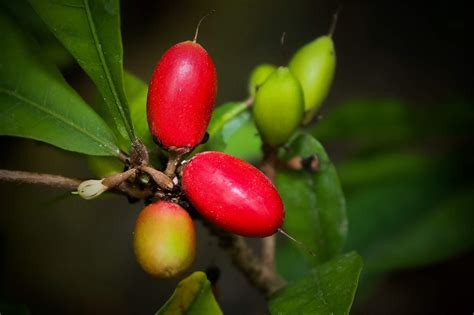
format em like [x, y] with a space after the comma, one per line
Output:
[59, 181]
[116, 179]
[332, 27]
[174, 158]
[159, 177]
[299, 243]
[199, 24]
[243, 257]
[283, 51]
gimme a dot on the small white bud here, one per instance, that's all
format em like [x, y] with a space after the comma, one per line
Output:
[91, 188]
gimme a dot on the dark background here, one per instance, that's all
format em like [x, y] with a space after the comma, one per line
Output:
[60, 255]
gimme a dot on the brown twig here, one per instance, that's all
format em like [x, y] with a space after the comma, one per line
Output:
[58, 181]
[175, 155]
[268, 167]
[39, 179]
[159, 177]
[245, 260]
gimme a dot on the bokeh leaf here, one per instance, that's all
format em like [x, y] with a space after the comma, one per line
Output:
[23, 14]
[329, 289]
[226, 120]
[90, 30]
[37, 103]
[315, 208]
[367, 123]
[245, 143]
[407, 218]
[193, 296]
[446, 231]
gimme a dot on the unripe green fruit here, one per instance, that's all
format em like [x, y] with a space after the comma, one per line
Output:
[164, 240]
[313, 65]
[259, 75]
[278, 107]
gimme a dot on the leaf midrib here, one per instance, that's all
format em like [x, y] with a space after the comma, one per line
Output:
[112, 149]
[105, 67]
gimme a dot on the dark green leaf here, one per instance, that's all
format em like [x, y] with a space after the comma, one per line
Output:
[137, 91]
[446, 231]
[246, 143]
[381, 168]
[315, 206]
[366, 124]
[226, 121]
[37, 103]
[193, 296]
[90, 30]
[23, 14]
[378, 212]
[329, 289]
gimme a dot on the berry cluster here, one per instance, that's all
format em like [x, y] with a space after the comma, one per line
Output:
[229, 192]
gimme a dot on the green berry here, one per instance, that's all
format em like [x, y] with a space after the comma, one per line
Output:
[259, 74]
[278, 107]
[314, 65]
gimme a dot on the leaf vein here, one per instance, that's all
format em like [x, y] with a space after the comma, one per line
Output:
[105, 67]
[23, 99]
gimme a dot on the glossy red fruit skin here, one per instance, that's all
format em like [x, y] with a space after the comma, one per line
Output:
[233, 194]
[181, 96]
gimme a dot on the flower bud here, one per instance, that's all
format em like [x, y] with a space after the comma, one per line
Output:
[91, 188]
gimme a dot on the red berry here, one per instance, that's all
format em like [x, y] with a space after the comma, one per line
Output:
[233, 194]
[181, 96]
[164, 239]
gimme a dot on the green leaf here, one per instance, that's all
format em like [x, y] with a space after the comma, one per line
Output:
[37, 103]
[225, 122]
[90, 30]
[381, 207]
[442, 233]
[315, 207]
[329, 289]
[24, 15]
[367, 123]
[245, 143]
[193, 296]
[137, 91]
[358, 173]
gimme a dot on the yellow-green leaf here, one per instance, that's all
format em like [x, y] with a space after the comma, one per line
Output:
[193, 296]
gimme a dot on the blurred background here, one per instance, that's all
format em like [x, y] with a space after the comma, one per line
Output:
[398, 123]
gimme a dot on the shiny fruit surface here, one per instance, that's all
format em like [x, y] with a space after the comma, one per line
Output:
[164, 239]
[259, 74]
[233, 194]
[314, 65]
[278, 107]
[181, 96]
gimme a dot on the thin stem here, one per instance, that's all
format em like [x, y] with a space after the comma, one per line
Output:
[283, 51]
[39, 179]
[174, 158]
[159, 177]
[199, 24]
[268, 253]
[268, 166]
[68, 183]
[245, 260]
[116, 179]
[332, 28]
